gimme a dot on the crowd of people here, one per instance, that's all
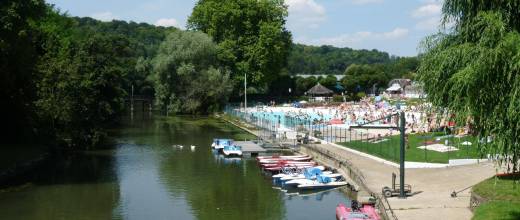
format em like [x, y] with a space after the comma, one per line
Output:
[419, 117]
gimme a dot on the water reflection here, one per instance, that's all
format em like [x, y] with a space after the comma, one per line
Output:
[147, 177]
[78, 187]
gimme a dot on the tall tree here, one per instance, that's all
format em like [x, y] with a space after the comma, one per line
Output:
[185, 79]
[251, 35]
[474, 71]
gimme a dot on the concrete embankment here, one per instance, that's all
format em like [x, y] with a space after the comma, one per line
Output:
[353, 175]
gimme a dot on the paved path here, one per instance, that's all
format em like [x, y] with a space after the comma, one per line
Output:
[436, 185]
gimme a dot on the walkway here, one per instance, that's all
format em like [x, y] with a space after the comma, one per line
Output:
[436, 185]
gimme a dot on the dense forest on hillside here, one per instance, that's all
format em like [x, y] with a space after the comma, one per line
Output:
[363, 70]
[329, 60]
[144, 40]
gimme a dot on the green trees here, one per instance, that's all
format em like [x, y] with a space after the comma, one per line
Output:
[250, 35]
[186, 79]
[304, 84]
[329, 81]
[79, 88]
[473, 71]
[18, 57]
[325, 60]
[144, 40]
[363, 78]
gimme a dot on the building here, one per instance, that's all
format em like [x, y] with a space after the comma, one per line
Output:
[319, 93]
[404, 88]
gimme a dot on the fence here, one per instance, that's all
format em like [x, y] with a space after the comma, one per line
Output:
[383, 143]
[267, 130]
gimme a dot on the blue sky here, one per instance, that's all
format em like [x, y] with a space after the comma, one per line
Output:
[394, 26]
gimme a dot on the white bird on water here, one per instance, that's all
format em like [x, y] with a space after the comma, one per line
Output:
[180, 146]
[192, 147]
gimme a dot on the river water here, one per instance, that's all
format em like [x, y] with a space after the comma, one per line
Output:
[145, 177]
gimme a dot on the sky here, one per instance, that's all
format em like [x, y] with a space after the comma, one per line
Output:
[393, 26]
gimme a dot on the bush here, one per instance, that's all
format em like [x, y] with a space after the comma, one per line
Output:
[337, 98]
[304, 98]
[360, 95]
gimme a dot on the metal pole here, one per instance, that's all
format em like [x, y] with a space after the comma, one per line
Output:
[132, 100]
[245, 91]
[402, 194]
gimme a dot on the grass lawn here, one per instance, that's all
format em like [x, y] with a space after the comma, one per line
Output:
[389, 150]
[504, 196]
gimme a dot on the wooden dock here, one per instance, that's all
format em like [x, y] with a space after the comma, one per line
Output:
[250, 148]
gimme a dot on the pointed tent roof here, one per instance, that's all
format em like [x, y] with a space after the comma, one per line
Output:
[394, 88]
[318, 89]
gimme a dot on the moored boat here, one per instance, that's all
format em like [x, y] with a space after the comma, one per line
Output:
[279, 168]
[232, 150]
[275, 160]
[293, 172]
[355, 213]
[287, 163]
[301, 176]
[322, 182]
[290, 157]
[219, 144]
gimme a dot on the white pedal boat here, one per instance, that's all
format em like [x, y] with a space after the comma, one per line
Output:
[232, 151]
[219, 144]
[301, 176]
[293, 172]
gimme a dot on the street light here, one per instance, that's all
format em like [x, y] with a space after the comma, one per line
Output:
[245, 92]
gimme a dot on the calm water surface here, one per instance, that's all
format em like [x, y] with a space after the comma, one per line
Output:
[145, 177]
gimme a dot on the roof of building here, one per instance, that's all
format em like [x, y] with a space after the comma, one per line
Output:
[318, 89]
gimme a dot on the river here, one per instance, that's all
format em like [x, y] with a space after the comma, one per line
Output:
[145, 177]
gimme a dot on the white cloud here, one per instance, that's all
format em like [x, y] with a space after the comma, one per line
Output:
[364, 2]
[168, 22]
[305, 14]
[428, 10]
[396, 33]
[357, 39]
[430, 24]
[428, 15]
[104, 16]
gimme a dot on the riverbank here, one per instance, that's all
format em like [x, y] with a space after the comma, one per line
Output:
[434, 185]
[19, 160]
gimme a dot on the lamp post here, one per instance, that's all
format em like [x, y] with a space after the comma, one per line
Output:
[245, 92]
[290, 95]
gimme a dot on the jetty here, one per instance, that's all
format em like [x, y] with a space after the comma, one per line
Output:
[250, 148]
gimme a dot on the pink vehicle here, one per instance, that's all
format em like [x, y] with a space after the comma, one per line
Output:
[366, 212]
